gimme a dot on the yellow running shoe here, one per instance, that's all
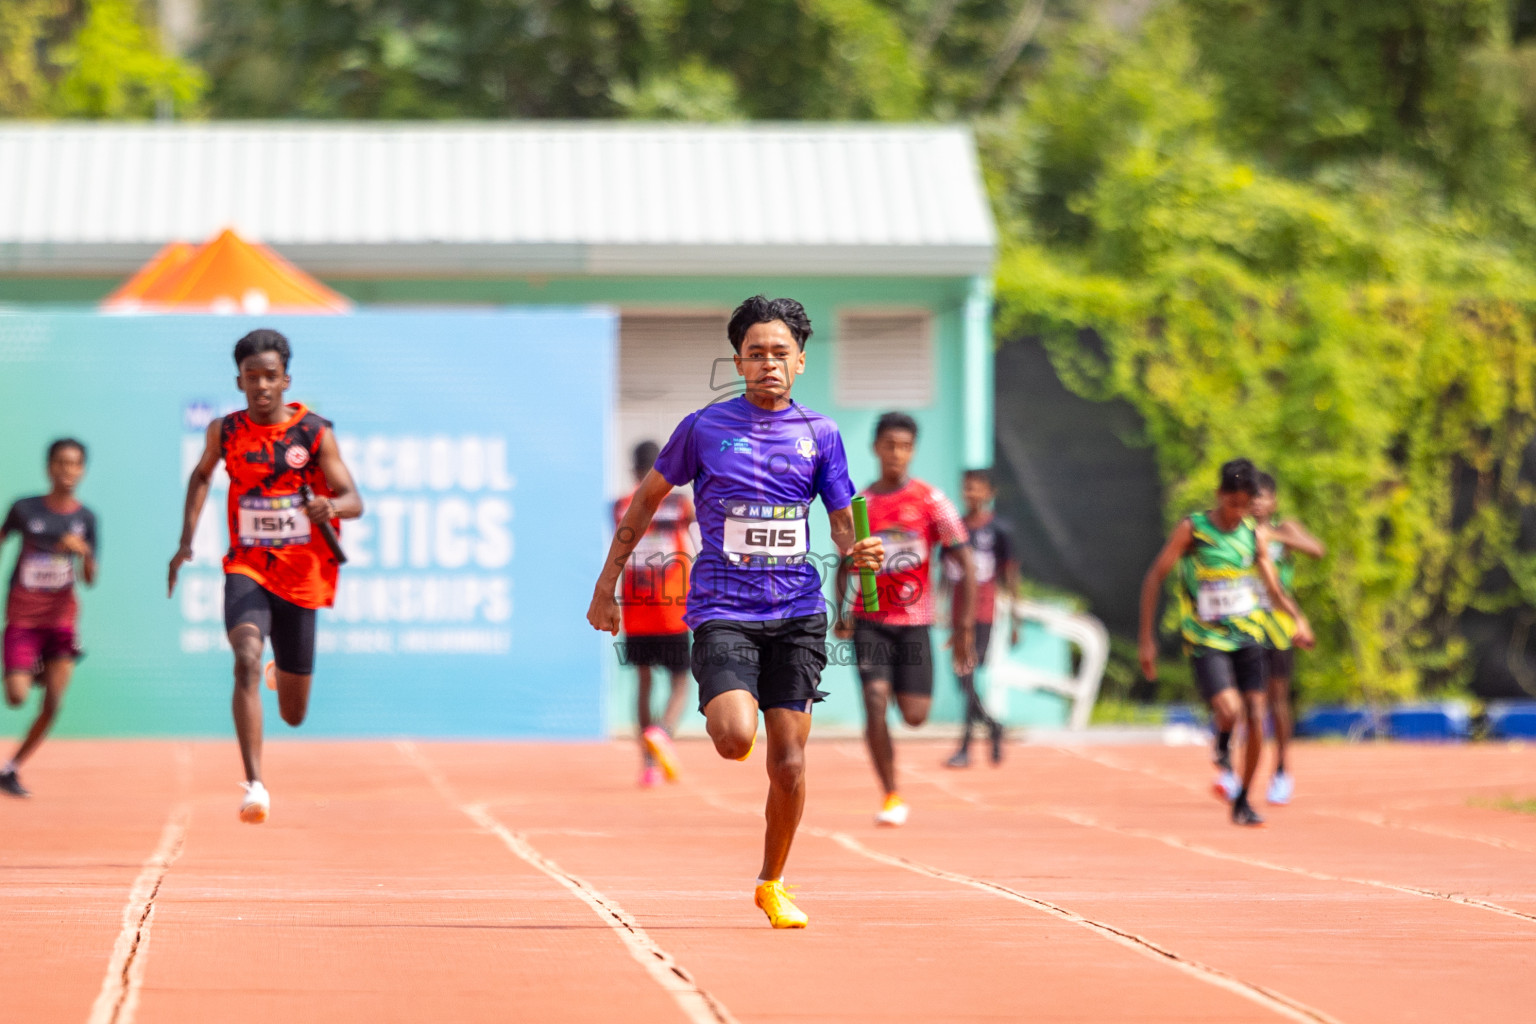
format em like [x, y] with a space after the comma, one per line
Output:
[772, 900]
[750, 748]
[662, 752]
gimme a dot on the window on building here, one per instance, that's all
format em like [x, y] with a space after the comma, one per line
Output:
[885, 359]
[669, 366]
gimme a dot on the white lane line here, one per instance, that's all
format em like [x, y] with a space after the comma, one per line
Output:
[697, 1004]
[119, 997]
[1275, 1002]
[1380, 821]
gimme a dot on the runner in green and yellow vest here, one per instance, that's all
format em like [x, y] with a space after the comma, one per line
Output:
[1286, 536]
[1223, 562]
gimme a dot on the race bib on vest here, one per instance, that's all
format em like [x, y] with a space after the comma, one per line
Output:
[903, 551]
[44, 571]
[1222, 599]
[273, 522]
[765, 534]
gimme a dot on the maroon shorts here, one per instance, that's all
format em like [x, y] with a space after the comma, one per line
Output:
[27, 648]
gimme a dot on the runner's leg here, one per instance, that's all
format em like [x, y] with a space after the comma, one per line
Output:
[676, 701]
[17, 686]
[246, 641]
[787, 731]
[877, 732]
[1254, 704]
[56, 673]
[731, 721]
[1280, 711]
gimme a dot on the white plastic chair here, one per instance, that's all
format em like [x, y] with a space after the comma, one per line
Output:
[1004, 673]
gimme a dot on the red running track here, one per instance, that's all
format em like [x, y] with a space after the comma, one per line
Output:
[534, 882]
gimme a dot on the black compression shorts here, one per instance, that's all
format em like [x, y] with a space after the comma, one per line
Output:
[1245, 668]
[291, 628]
[901, 654]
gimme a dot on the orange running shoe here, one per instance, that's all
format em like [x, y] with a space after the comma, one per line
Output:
[772, 900]
[271, 673]
[751, 747]
[659, 744]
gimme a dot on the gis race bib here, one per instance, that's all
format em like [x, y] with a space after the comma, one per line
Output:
[273, 522]
[763, 535]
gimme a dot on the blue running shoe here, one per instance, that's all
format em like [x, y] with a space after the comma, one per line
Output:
[1280, 789]
[1226, 786]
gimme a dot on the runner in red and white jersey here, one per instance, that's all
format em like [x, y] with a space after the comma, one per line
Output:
[654, 596]
[892, 645]
[279, 568]
[58, 537]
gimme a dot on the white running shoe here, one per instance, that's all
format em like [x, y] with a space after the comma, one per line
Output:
[1280, 788]
[256, 805]
[893, 813]
[1226, 786]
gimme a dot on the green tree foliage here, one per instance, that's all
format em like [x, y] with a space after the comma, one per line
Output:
[1355, 331]
[96, 58]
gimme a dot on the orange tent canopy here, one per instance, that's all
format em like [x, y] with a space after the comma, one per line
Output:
[226, 275]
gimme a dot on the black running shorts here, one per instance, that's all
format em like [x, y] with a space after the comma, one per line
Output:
[903, 655]
[669, 650]
[291, 628]
[1245, 668]
[778, 661]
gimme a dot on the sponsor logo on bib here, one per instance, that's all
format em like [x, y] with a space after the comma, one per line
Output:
[273, 522]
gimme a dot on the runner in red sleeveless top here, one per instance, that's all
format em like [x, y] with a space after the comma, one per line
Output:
[654, 596]
[892, 645]
[279, 568]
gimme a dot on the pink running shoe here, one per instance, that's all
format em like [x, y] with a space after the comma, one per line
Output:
[660, 746]
[651, 777]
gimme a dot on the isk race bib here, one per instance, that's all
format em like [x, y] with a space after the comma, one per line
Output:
[765, 534]
[1228, 598]
[41, 570]
[273, 522]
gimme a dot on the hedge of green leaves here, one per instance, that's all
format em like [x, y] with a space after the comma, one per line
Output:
[1360, 330]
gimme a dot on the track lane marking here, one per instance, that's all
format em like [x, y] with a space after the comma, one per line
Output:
[1268, 999]
[1190, 846]
[698, 1005]
[118, 1000]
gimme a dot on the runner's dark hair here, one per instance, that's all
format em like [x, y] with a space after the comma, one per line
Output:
[63, 443]
[762, 310]
[263, 339]
[895, 421]
[981, 475]
[1267, 483]
[645, 457]
[1239, 475]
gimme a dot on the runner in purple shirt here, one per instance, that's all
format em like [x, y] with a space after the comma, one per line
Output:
[756, 462]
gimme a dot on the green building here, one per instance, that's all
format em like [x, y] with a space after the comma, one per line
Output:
[883, 232]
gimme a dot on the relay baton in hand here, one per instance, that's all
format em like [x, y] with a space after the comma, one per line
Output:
[327, 531]
[866, 576]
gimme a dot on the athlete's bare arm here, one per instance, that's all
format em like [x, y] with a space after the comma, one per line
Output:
[1011, 588]
[603, 612]
[1295, 536]
[76, 545]
[197, 494]
[344, 502]
[1152, 586]
[842, 622]
[868, 553]
[1277, 593]
[962, 635]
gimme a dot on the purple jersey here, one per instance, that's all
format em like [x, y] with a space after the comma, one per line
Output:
[754, 475]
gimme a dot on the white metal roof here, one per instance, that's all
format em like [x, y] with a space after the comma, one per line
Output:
[501, 198]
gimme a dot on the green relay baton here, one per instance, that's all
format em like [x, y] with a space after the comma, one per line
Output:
[866, 576]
